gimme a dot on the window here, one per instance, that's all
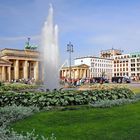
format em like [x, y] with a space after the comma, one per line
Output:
[132, 69]
[133, 55]
[132, 60]
[132, 65]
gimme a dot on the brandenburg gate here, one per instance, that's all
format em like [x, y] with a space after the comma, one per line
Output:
[19, 64]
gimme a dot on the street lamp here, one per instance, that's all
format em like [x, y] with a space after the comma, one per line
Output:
[28, 42]
[70, 50]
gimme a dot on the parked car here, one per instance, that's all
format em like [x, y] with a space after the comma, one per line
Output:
[100, 80]
[121, 79]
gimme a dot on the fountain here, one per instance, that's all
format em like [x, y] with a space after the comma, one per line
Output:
[50, 52]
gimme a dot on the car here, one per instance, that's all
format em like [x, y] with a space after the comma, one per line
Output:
[121, 79]
[100, 80]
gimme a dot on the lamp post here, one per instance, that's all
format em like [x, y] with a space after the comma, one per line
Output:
[28, 42]
[70, 50]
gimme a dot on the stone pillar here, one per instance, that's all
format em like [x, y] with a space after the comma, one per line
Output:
[25, 69]
[16, 68]
[3, 73]
[76, 74]
[36, 71]
[84, 73]
[81, 75]
[42, 72]
[88, 73]
[9, 73]
[64, 74]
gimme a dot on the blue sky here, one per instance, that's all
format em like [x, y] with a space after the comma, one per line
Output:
[91, 25]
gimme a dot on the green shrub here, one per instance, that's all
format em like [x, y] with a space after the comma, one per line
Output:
[6, 134]
[111, 103]
[17, 87]
[63, 98]
[13, 113]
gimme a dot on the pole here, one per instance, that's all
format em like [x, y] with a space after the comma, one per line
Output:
[70, 50]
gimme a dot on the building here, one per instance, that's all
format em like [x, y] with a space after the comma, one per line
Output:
[98, 67]
[19, 64]
[77, 71]
[26, 64]
[135, 65]
[110, 53]
[121, 65]
[124, 64]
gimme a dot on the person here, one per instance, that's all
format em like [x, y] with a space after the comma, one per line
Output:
[101, 80]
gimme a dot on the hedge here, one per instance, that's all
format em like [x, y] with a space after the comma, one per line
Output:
[62, 98]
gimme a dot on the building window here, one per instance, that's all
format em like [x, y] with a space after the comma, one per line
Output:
[132, 69]
[132, 65]
[133, 55]
[132, 60]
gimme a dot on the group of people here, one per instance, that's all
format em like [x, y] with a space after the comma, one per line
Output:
[25, 81]
[79, 81]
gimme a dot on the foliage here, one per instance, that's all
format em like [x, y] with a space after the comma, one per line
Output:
[6, 134]
[62, 98]
[111, 103]
[1, 84]
[13, 113]
[17, 87]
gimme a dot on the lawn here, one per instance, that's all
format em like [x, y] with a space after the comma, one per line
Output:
[135, 89]
[117, 123]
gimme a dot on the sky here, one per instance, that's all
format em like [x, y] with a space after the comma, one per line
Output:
[90, 25]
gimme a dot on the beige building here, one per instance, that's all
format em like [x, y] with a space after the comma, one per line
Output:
[19, 64]
[77, 72]
[110, 53]
[121, 65]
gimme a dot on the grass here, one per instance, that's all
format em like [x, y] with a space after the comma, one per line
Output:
[135, 89]
[117, 123]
